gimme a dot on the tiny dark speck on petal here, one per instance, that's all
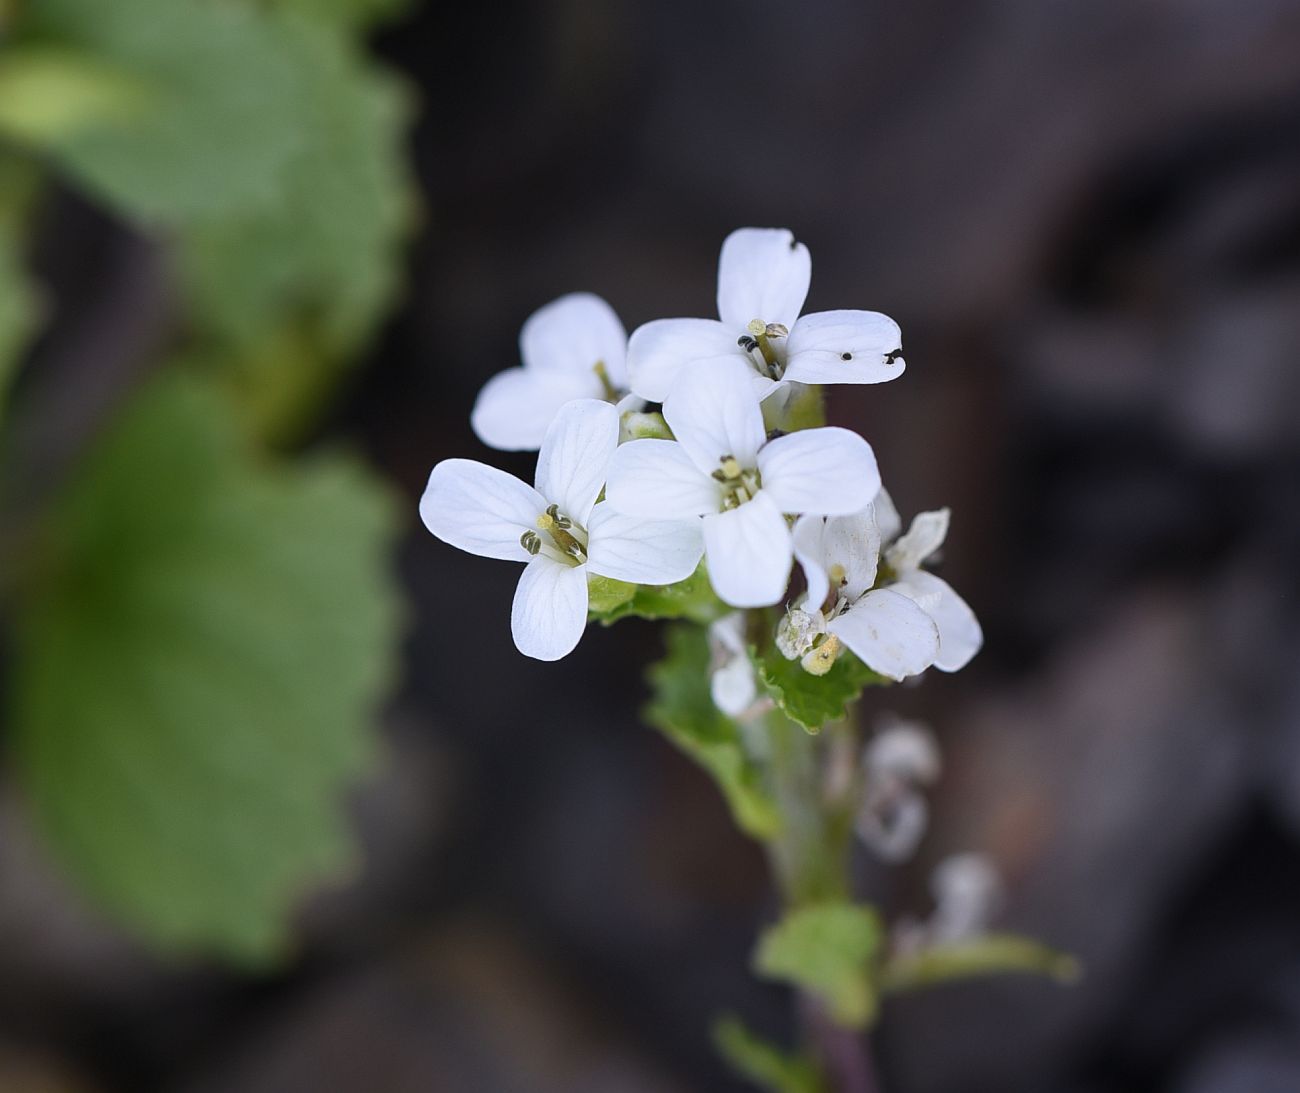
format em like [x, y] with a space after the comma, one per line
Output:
[846, 356]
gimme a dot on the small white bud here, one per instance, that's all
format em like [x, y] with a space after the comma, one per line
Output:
[797, 631]
[968, 893]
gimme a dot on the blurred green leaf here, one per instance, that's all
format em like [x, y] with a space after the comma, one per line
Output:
[682, 708]
[809, 700]
[220, 116]
[826, 948]
[49, 95]
[198, 659]
[692, 598]
[762, 1063]
[20, 305]
[992, 954]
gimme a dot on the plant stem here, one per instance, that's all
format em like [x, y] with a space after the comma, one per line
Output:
[845, 1054]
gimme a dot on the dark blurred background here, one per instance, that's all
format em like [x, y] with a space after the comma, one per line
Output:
[1086, 218]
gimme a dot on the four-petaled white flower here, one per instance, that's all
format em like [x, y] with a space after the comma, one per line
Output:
[557, 528]
[763, 276]
[960, 636]
[912, 621]
[574, 347]
[721, 467]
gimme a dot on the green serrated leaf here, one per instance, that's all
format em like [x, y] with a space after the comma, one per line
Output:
[50, 95]
[683, 709]
[198, 657]
[809, 700]
[829, 949]
[992, 954]
[692, 598]
[606, 595]
[764, 1064]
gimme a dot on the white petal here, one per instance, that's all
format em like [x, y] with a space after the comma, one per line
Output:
[853, 543]
[808, 538]
[733, 686]
[830, 471]
[888, 522]
[713, 412]
[575, 456]
[480, 509]
[844, 347]
[656, 479]
[923, 538]
[550, 609]
[762, 274]
[573, 334]
[728, 632]
[749, 553]
[659, 351]
[889, 633]
[515, 407]
[632, 548]
[960, 636]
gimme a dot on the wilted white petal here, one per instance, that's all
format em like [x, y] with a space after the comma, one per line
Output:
[480, 509]
[660, 350]
[728, 633]
[733, 686]
[888, 522]
[889, 633]
[762, 274]
[749, 553]
[657, 479]
[960, 636]
[905, 750]
[549, 612]
[808, 538]
[852, 543]
[515, 407]
[968, 894]
[713, 413]
[844, 347]
[893, 828]
[574, 334]
[923, 538]
[798, 629]
[632, 548]
[575, 456]
[828, 471]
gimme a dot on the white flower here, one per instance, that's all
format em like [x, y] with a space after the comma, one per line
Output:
[763, 277]
[557, 528]
[574, 347]
[731, 682]
[913, 621]
[899, 761]
[721, 467]
[960, 636]
[968, 894]
[887, 630]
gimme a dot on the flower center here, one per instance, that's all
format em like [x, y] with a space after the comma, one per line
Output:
[561, 539]
[757, 343]
[739, 484]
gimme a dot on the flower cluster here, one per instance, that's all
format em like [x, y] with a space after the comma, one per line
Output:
[732, 469]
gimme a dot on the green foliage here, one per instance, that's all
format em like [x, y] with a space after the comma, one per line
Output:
[764, 1064]
[992, 954]
[197, 659]
[829, 949]
[264, 144]
[19, 303]
[809, 700]
[692, 599]
[683, 709]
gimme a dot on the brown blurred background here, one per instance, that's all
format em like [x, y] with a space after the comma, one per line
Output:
[1086, 218]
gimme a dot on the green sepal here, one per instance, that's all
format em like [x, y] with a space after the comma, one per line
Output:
[829, 949]
[682, 708]
[992, 954]
[693, 599]
[809, 700]
[764, 1064]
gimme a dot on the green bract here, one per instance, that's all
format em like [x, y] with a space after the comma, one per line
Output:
[829, 949]
[683, 709]
[692, 598]
[198, 661]
[809, 700]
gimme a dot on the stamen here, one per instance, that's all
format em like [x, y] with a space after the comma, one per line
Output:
[531, 542]
[762, 332]
[602, 373]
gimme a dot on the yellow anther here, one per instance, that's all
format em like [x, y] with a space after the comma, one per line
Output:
[837, 574]
[730, 467]
[822, 659]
